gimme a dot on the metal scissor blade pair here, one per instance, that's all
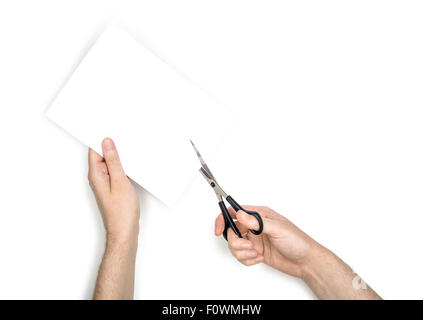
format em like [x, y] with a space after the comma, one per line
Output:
[205, 171]
[204, 168]
[221, 195]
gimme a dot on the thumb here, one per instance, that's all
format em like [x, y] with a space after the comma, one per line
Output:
[270, 227]
[112, 159]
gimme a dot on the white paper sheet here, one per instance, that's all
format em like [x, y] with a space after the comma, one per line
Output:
[123, 91]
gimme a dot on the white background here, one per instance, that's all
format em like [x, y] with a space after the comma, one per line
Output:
[329, 133]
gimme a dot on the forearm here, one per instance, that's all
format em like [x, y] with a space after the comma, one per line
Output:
[116, 275]
[331, 278]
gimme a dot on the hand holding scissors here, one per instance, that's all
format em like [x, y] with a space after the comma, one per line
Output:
[220, 194]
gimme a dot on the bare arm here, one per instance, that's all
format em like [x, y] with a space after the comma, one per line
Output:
[117, 271]
[119, 207]
[331, 278]
[283, 246]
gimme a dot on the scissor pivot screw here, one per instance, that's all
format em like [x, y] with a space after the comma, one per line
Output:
[212, 184]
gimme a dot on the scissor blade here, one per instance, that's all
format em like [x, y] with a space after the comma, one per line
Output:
[205, 174]
[203, 163]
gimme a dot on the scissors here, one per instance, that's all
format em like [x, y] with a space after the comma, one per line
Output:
[229, 223]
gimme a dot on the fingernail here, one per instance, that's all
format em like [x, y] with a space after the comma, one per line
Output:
[245, 245]
[260, 259]
[108, 144]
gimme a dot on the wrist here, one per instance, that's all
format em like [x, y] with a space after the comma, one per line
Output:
[123, 246]
[122, 239]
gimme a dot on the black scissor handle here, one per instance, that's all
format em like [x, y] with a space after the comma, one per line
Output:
[229, 222]
[237, 207]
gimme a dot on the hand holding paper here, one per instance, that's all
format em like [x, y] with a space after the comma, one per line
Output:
[116, 197]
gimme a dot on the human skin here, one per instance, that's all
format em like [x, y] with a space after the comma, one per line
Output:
[120, 209]
[283, 246]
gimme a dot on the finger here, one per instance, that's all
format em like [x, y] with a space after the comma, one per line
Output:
[242, 255]
[232, 212]
[239, 243]
[97, 172]
[232, 237]
[219, 225]
[242, 229]
[264, 211]
[111, 157]
[251, 262]
[248, 220]
[236, 243]
[94, 158]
